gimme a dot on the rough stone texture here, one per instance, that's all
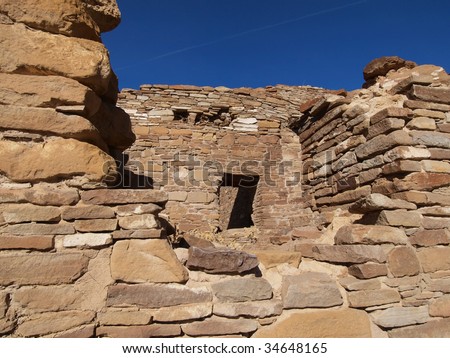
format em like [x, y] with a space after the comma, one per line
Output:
[39, 53]
[40, 195]
[434, 258]
[368, 270]
[219, 327]
[432, 329]
[402, 261]
[310, 290]
[431, 237]
[79, 332]
[66, 17]
[220, 260]
[51, 322]
[41, 269]
[354, 254]
[440, 307]
[37, 229]
[123, 196]
[47, 121]
[400, 316]
[136, 222]
[399, 218]
[47, 92]
[378, 202]
[97, 225]
[343, 323]
[124, 318]
[272, 258]
[156, 295]
[431, 94]
[137, 209]
[242, 289]
[139, 261]
[183, 313]
[87, 212]
[105, 13]
[150, 331]
[87, 240]
[10, 242]
[352, 284]
[370, 234]
[35, 166]
[259, 309]
[382, 65]
[368, 298]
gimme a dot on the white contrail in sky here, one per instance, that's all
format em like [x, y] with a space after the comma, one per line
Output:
[243, 33]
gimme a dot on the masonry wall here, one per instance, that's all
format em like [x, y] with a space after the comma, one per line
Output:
[359, 248]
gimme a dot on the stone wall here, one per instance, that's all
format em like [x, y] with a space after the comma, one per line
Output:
[357, 248]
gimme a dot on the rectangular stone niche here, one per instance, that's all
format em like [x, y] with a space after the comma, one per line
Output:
[236, 196]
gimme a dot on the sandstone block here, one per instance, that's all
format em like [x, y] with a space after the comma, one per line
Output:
[434, 166]
[124, 318]
[354, 254]
[368, 270]
[431, 94]
[19, 213]
[70, 158]
[370, 235]
[220, 260]
[378, 202]
[11, 242]
[123, 196]
[139, 261]
[149, 331]
[64, 17]
[368, 298]
[189, 312]
[434, 259]
[137, 209]
[382, 143]
[47, 121]
[345, 197]
[52, 322]
[87, 212]
[399, 218]
[38, 229]
[400, 316]
[432, 329]
[440, 307]
[194, 240]
[391, 112]
[219, 327]
[342, 323]
[3, 304]
[39, 53]
[422, 123]
[249, 309]
[242, 289]
[272, 258]
[43, 195]
[87, 331]
[138, 234]
[382, 65]
[156, 295]
[352, 284]
[431, 139]
[48, 298]
[402, 261]
[87, 240]
[431, 223]
[136, 222]
[402, 166]
[385, 126]
[41, 269]
[404, 153]
[310, 290]
[431, 238]
[47, 92]
[95, 225]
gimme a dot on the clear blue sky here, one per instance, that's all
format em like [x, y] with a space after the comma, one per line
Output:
[255, 43]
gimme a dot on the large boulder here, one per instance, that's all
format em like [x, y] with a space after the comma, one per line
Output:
[105, 13]
[381, 66]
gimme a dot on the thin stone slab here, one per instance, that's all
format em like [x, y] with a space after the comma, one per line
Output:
[148, 331]
[219, 327]
[354, 254]
[123, 196]
[156, 295]
[220, 260]
[401, 316]
[368, 298]
[432, 329]
[370, 234]
[378, 202]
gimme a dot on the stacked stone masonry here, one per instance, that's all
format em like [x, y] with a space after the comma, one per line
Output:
[95, 245]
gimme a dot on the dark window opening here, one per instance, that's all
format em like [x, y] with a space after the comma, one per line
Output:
[236, 196]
